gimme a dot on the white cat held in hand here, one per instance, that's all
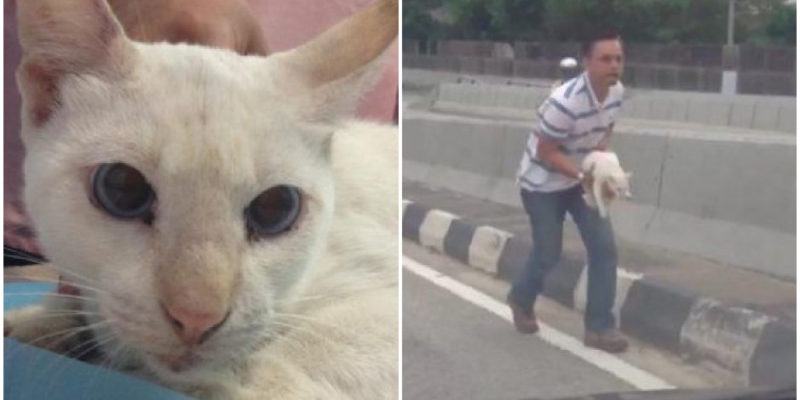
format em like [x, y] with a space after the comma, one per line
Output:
[607, 181]
[232, 234]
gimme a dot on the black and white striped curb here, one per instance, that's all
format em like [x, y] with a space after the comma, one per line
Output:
[758, 348]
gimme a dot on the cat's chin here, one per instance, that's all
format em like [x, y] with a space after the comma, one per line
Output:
[181, 373]
[174, 366]
[181, 365]
[177, 363]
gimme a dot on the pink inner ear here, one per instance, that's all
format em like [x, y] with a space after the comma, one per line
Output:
[59, 37]
[40, 88]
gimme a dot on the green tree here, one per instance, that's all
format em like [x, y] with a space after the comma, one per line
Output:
[517, 19]
[471, 19]
[647, 21]
[417, 22]
[782, 26]
[686, 21]
[573, 20]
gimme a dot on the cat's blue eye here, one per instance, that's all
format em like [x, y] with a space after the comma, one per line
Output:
[274, 211]
[122, 191]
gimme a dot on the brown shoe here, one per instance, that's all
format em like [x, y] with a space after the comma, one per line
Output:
[611, 341]
[524, 320]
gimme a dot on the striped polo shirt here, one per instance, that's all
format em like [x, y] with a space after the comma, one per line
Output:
[573, 117]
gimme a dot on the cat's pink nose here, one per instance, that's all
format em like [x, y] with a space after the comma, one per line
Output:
[193, 327]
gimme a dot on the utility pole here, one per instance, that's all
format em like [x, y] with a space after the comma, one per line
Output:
[730, 56]
[731, 13]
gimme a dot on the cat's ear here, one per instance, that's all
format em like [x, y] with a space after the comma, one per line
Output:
[333, 70]
[63, 37]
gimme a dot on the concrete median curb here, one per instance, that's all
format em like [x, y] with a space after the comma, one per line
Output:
[760, 349]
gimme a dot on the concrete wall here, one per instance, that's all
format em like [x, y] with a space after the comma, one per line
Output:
[728, 198]
[746, 112]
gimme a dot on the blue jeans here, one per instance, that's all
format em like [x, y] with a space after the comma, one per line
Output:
[546, 212]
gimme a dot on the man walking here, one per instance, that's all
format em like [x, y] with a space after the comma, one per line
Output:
[577, 118]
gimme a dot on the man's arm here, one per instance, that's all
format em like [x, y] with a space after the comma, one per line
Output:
[547, 149]
[554, 127]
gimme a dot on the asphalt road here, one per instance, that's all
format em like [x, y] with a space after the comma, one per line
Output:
[454, 349]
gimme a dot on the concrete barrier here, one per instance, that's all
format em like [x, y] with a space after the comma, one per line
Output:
[729, 197]
[752, 112]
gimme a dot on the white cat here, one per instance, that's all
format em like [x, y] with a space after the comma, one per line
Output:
[607, 180]
[228, 233]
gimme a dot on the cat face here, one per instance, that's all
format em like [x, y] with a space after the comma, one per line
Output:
[188, 189]
[207, 141]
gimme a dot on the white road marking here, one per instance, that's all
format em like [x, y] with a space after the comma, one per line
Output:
[637, 377]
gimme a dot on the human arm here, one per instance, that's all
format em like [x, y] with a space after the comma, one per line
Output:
[555, 124]
[549, 151]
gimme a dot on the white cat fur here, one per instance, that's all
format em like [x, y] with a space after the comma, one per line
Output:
[314, 311]
[605, 170]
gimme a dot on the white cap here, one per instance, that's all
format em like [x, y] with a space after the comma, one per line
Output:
[568, 62]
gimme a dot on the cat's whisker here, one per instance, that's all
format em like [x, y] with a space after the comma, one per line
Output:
[20, 257]
[68, 331]
[53, 294]
[62, 314]
[75, 275]
[60, 269]
[50, 310]
[38, 279]
[94, 342]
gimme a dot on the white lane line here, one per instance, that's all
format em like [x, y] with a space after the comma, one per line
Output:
[637, 377]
